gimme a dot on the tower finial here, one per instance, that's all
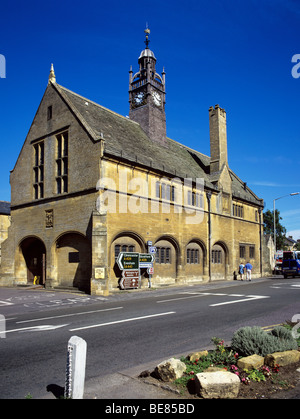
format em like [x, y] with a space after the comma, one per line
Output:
[147, 32]
[52, 78]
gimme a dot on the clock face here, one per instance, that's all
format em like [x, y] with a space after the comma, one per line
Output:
[139, 97]
[156, 98]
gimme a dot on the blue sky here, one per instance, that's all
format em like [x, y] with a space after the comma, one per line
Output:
[234, 53]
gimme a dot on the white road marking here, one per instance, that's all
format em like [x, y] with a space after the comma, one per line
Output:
[122, 321]
[68, 315]
[195, 295]
[251, 298]
[5, 303]
[42, 328]
[180, 298]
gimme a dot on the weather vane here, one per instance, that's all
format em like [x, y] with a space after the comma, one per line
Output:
[147, 32]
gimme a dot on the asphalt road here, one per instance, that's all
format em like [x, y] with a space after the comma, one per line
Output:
[127, 329]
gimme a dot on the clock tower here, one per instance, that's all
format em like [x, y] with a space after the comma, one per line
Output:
[147, 96]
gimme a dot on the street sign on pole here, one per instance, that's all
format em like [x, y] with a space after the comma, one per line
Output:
[128, 261]
[152, 249]
[130, 278]
[130, 264]
[146, 260]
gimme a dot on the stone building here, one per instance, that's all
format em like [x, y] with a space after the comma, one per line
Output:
[90, 183]
[4, 222]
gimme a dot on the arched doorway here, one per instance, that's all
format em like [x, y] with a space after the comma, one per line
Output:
[34, 253]
[73, 261]
[219, 261]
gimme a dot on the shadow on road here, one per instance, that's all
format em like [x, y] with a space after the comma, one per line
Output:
[56, 390]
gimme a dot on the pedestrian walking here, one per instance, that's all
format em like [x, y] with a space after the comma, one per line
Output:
[248, 268]
[241, 271]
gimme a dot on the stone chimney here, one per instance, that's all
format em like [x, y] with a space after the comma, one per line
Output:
[218, 138]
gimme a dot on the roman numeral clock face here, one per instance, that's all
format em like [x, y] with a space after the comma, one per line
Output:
[156, 98]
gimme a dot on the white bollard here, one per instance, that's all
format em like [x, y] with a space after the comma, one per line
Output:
[75, 370]
[2, 326]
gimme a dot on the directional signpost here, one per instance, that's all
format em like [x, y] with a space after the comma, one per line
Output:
[128, 261]
[146, 260]
[130, 265]
[130, 278]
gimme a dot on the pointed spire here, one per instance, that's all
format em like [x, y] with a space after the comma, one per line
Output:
[52, 78]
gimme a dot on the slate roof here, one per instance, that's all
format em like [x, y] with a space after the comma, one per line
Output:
[4, 208]
[126, 140]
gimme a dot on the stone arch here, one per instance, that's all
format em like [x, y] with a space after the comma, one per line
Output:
[167, 259]
[30, 261]
[195, 258]
[219, 261]
[124, 241]
[72, 258]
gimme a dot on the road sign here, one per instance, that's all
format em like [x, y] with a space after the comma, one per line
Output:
[128, 261]
[130, 278]
[152, 249]
[150, 271]
[146, 260]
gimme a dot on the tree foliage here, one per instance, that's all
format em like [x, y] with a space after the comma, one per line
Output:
[279, 228]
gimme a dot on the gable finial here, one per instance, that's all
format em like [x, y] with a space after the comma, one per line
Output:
[52, 78]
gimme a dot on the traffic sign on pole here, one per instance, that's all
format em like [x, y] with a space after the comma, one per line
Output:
[146, 260]
[128, 260]
[130, 278]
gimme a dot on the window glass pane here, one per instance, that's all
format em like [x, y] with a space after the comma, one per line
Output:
[188, 256]
[168, 255]
[157, 190]
[172, 193]
[117, 250]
